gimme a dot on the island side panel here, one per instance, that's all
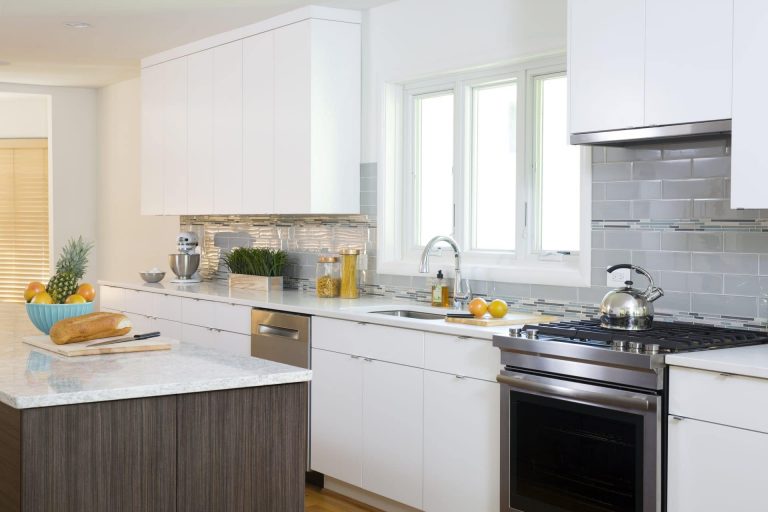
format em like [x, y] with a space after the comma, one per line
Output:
[118, 456]
[247, 445]
[10, 459]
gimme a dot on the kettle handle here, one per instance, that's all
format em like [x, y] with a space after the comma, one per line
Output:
[652, 292]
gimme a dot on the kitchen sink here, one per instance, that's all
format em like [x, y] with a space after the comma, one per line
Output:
[408, 313]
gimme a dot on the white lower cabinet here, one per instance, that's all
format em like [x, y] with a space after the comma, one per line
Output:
[715, 467]
[461, 444]
[215, 339]
[337, 416]
[393, 430]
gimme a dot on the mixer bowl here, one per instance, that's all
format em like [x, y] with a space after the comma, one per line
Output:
[184, 265]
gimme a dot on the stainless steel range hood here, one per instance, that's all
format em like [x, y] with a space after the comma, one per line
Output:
[652, 133]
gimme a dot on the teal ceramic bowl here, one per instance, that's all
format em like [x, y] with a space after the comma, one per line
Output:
[45, 315]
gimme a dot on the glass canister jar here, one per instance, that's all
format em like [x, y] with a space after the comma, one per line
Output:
[328, 276]
[349, 288]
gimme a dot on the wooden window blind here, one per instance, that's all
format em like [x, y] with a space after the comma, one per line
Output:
[24, 251]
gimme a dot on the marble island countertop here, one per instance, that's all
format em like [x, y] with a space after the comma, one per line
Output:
[307, 303]
[32, 377]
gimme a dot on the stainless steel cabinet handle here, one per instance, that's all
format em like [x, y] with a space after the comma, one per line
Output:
[460, 376]
[367, 359]
[677, 418]
[462, 338]
[354, 357]
[362, 323]
[281, 332]
[726, 374]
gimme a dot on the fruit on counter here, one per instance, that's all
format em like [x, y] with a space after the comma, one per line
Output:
[87, 291]
[90, 327]
[478, 307]
[498, 308]
[33, 289]
[70, 268]
[75, 299]
[42, 298]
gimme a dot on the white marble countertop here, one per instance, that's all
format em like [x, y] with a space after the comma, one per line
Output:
[294, 301]
[32, 377]
[751, 361]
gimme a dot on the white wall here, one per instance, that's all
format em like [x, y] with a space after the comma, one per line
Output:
[23, 116]
[72, 158]
[408, 39]
[128, 242]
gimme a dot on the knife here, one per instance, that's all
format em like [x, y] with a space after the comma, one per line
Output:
[135, 337]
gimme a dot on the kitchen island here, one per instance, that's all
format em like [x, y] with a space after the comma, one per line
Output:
[189, 429]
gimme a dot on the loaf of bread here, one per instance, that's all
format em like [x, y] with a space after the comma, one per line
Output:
[89, 327]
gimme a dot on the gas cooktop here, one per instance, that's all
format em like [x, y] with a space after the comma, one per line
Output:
[664, 337]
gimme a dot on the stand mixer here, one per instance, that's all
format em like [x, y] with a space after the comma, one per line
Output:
[184, 263]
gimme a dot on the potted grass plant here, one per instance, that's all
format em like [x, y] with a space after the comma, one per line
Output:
[254, 268]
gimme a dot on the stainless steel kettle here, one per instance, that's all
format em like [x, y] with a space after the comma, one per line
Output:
[629, 309]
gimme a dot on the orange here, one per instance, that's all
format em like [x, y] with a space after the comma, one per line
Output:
[498, 308]
[75, 299]
[86, 291]
[33, 289]
[42, 298]
[478, 307]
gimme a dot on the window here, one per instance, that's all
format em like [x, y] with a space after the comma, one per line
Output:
[484, 157]
[23, 216]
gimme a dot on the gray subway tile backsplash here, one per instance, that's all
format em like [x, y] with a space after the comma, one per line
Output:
[663, 206]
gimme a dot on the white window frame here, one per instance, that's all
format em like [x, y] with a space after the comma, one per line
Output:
[397, 255]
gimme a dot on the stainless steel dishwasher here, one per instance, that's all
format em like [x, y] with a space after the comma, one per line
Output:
[283, 337]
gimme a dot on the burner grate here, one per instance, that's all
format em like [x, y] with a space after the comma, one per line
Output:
[671, 337]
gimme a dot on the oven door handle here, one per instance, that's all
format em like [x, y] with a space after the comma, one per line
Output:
[623, 401]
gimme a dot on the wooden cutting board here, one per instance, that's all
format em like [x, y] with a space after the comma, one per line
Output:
[80, 349]
[510, 319]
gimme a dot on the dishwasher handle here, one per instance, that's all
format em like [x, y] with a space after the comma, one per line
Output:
[280, 332]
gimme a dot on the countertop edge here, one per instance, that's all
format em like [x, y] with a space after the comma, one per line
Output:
[719, 365]
[147, 391]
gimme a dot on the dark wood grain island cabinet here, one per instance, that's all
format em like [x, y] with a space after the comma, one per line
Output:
[233, 450]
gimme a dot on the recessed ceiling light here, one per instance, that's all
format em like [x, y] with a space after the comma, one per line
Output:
[78, 24]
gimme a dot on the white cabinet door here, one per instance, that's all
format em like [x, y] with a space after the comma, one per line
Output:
[714, 467]
[175, 137]
[606, 42]
[139, 323]
[228, 128]
[461, 444]
[167, 328]
[111, 297]
[337, 408]
[688, 61]
[460, 355]
[258, 124]
[198, 312]
[749, 161]
[292, 126]
[234, 343]
[232, 317]
[200, 132]
[203, 336]
[393, 429]
[152, 140]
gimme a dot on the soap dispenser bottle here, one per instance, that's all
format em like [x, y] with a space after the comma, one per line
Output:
[440, 292]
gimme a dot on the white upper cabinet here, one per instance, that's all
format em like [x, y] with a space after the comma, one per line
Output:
[749, 162]
[688, 61]
[228, 128]
[606, 42]
[260, 120]
[639, 63]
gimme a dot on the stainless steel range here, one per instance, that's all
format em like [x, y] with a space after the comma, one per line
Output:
[583, 413]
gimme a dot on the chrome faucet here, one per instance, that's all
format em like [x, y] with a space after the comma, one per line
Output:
[461, 294]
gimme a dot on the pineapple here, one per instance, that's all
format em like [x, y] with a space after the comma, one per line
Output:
[70, 268]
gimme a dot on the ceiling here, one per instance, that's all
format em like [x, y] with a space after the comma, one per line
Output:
[41, 49]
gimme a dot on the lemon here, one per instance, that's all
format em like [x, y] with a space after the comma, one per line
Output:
[478, 307]
[33, 289]
[42, 298]
[75, 299]
[498, 308]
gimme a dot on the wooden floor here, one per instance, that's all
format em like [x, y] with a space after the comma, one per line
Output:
[323, 500]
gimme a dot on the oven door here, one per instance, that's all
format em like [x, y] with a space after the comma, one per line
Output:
[578, 447]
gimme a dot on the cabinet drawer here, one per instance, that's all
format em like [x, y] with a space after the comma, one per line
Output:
[198, 312]
[111, 298]
[720, 398]
[391, 344]
[461, 355]
[234, 343]
[139, 323]
[167, 328]
[233, 317]
[204, 336]
[142, 303]
[166, 307]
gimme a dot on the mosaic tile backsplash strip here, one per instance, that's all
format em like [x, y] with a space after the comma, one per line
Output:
[662, 206]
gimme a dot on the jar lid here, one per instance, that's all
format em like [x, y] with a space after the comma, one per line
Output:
[349, 251]
[327, 259]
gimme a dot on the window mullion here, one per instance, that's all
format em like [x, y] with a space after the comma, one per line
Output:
[523, 231]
